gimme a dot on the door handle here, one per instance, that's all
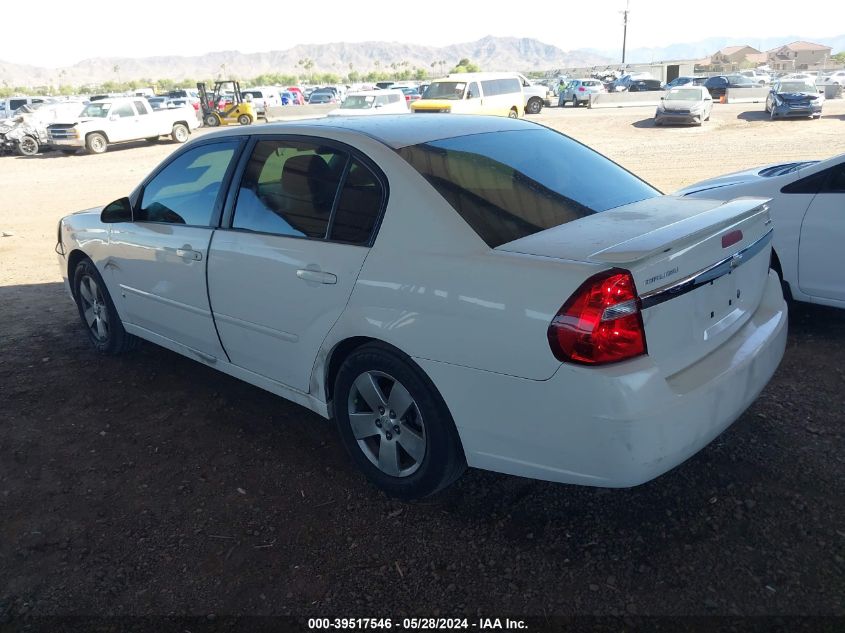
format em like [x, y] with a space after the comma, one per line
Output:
[188, 254]
[316, 275]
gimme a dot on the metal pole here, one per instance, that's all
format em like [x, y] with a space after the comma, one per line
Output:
[624, 30]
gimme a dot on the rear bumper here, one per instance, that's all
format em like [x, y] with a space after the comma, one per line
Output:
[618, 426]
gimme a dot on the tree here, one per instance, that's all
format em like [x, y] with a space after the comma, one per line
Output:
[465, 66]
[839, 58]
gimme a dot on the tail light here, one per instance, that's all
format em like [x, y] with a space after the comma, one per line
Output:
[600, 323]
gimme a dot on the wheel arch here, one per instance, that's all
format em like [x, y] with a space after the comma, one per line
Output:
[105, 136]
[185, 123]
[73, 259]
[778, 268]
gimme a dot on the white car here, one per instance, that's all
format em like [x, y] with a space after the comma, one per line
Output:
[453, 290]
[836, 78]
[807, 203]
[369, 102]
[685, 104]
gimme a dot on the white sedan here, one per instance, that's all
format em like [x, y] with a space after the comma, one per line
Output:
[452, 290]
[808, 209]
[684, 104]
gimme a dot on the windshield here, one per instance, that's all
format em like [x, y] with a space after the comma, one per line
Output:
[358, 102]
[796, 86]
[684, 95]
[453, 90]
[97, 110]
[507, 185]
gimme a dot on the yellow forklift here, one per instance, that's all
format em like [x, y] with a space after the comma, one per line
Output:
[225, 105]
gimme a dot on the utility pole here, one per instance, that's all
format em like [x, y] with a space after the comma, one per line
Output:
[625, 28]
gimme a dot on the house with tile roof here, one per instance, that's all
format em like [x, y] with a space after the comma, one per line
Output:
[799, 56]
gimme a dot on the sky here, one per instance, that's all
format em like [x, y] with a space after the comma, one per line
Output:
[164, 27]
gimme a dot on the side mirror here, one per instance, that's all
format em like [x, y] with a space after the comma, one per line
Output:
[117, 211]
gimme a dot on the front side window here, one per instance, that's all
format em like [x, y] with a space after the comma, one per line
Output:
[507, 185]
[186, 190]
[289, 188]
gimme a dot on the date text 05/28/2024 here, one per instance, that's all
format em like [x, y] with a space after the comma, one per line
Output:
[413, 624]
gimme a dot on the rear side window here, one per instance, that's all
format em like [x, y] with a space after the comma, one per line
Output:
[141, 107]
[289, 188]
[507, 185]
[359, 206]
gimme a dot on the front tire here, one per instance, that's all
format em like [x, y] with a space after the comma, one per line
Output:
[96, 143]
[211, 120]
[97, 311]
[244, 119]
[395, 425]
[28, 146]
[534, 106]
[180, 133]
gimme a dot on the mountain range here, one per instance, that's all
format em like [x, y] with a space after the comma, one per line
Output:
[489, 53]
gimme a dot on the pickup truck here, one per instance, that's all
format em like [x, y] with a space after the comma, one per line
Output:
[118, 120]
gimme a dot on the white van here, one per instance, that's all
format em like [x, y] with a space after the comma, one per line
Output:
[474, 93]
[263, 97]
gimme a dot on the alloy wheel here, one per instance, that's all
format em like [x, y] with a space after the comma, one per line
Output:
[94, 308]
[387, 424]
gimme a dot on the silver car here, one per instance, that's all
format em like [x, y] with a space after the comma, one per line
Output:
[685, 104]
[578, 91]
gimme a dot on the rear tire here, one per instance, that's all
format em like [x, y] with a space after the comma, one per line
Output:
[96, 143]
[180, 133]
[244, 119]
[379, 391]
[97, 311]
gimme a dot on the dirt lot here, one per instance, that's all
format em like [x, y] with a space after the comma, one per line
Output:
[149, 484]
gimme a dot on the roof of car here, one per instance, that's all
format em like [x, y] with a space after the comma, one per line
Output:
[395, 131]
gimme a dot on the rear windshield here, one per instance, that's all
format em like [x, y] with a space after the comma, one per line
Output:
[507, 185]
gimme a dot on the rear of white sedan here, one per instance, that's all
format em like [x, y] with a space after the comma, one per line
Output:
[508, 298]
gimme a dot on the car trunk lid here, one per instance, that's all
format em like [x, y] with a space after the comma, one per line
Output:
[699, 266]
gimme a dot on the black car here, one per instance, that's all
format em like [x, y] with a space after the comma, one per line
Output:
[645, 85]
[719, 84]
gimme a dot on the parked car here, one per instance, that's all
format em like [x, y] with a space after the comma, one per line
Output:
[645, 85]
[434, 283]
[299, 96]
[26, 133]
[262, 98]
[806, 203]
[578, 91]
[372, 102]
[410, 94]
[499, 94]
[836, 78]
[158, 103]
[759, 77]
[687, 104]
[741, 81]
[624, 82]
[322, 96]
[718, 86]
[11, 104]
[686, 80]
[102, 123]
[798, 98]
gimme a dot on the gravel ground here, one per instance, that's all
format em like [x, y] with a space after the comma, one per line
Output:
[151, 485]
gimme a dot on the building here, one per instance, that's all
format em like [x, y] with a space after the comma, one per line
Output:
[732, 58]
[799, 56]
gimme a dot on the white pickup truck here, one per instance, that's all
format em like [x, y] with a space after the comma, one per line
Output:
[118, 120]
